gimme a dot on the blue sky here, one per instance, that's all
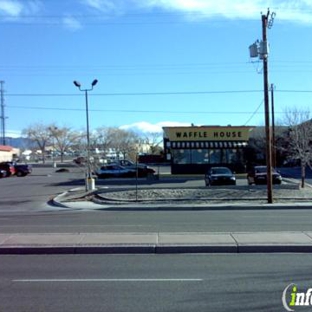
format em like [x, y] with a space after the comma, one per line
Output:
[158, 62]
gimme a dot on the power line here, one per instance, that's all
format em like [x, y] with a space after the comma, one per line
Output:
[151, 93]
[255, 112]
[135, 110]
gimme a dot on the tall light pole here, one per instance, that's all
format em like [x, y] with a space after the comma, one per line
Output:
[90, 185]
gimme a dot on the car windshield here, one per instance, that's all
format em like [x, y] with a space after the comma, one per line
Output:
[263, 170]
[220, 171]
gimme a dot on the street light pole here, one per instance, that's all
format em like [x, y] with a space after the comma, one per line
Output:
[90, 185]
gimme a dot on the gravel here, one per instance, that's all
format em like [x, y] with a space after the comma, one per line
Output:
[206, 195]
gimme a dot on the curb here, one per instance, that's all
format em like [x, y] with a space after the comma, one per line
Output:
[58, 201]
[153, 249]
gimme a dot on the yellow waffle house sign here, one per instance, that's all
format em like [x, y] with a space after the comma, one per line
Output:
[209, 133]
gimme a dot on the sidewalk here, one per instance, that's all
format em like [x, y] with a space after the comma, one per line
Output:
[155, 243]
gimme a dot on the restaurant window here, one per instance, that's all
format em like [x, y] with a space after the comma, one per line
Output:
[215, 156]
[181, 156]
[199, 156]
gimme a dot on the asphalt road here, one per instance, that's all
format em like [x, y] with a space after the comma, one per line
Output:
[151, 283]
[24, 209]
[156, 221]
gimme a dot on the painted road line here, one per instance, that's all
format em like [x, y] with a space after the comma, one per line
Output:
[103, 280]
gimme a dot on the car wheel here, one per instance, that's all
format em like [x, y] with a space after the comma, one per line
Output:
[20, 174]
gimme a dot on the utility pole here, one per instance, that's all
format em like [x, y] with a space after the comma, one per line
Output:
[266, 108]
[261, 49]
[273, 127]
[2, 113]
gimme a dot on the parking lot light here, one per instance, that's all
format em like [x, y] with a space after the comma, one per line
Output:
[90, 183]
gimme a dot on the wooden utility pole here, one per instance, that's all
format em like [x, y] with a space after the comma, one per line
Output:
[2, 113]
[264, 55]
[273, 127]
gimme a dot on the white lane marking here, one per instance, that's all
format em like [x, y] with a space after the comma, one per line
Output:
[108, 280]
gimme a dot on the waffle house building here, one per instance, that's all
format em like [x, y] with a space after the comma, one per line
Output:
[195, 149]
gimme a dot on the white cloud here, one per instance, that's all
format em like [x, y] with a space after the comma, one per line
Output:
[11, 8]
[290, 10]
[146, 127]
[13, 133]
[286, 9]
[71, 23]
[106, 5]
[14, 8]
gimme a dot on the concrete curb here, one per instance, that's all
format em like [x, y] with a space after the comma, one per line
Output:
[62, 201]
[153, 249]
[155, 243]
[70, 199]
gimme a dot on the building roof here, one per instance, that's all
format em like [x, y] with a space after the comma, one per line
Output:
[6, 148]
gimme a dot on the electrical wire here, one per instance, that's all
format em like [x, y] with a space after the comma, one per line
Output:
[254, 113]
[149, 93]
[133, 110]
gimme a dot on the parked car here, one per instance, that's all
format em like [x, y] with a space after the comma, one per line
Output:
[8, 167]
[80, 160]
[22, 170]
[258, 175]
[114, 171]
[143, 170]
[220, 176]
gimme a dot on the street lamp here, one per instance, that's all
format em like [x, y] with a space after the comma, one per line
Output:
[90, 185]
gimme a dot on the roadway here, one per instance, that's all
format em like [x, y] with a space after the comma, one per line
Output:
[24, 209]
[140, 283]
[183, 282]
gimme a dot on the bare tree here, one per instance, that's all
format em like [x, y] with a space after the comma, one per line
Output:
[299, 137]
[153, 140]
[64, 138]
[120, 141]
[40, 134]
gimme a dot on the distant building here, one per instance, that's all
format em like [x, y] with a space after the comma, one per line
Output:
[8, 153]
[195, 149]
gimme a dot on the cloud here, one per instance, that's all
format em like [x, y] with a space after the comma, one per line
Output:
[15, 9]
[13, 134]
[245, 9]
[115, 6]
[290, 10]
[71, 23]
[146, 127]
[10, 8]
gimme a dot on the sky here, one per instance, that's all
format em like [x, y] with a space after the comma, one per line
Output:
[157, 62]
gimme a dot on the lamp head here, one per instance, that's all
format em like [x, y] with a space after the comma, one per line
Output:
[77, 84]
[94, 82]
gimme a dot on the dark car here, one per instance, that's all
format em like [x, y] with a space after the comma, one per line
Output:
[22, 170]
[115, 171]
[143, 170]
[8, 167]
[258, 175]
[220, 176]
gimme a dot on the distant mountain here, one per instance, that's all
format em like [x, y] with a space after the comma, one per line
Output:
[22, 143]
